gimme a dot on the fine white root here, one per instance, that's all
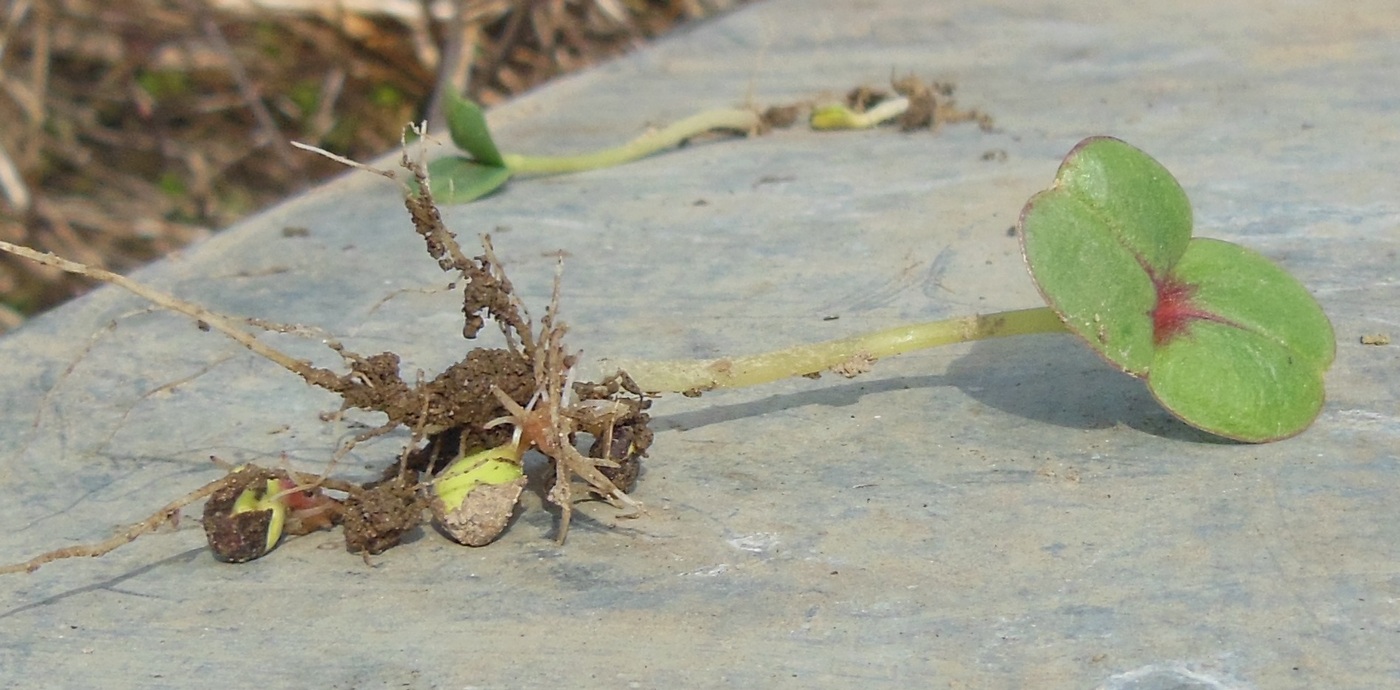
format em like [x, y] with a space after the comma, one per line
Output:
[166, 514]
[223, 324]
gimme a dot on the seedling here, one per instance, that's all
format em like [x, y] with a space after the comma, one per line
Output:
[458, 179]
[1226, 340]
[253, 508]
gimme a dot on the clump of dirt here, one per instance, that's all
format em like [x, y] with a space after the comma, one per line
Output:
[780, 116]
[622, 435]
[626, 447]
[377, 518]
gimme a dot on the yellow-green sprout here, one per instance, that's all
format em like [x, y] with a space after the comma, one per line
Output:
[493, 466]
[270, 498]
[840, 116]
[475, 496]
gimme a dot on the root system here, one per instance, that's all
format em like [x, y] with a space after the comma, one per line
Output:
[521, 394]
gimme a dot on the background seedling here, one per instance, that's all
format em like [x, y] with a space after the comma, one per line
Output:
[458, 179]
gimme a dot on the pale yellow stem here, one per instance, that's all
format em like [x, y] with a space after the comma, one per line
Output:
[840, 116]
[847, 355]
[672, 135]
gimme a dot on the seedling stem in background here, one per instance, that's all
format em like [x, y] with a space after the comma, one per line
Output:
[733, 120]
[841, 116]
[459, 179]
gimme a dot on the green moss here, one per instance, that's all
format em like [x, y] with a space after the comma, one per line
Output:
[164, 84]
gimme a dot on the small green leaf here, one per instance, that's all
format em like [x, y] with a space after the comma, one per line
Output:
[467, 125]
[1089, 277]
[1255, 374]
[1228, 341]
[1093, 240]
[458, 180]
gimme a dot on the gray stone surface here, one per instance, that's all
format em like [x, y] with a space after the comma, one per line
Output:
[1011, 514]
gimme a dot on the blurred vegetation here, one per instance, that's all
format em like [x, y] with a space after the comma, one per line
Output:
[133, 127]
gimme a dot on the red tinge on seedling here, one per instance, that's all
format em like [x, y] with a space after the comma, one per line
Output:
[1174, 310]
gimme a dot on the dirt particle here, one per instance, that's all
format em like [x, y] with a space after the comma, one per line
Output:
[780, 116]
[1375, 339]
[931, 105]
[1065, 473]
[863, 98]
[629, 444]
[723, 368]
[855, 365]
[772, 179]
